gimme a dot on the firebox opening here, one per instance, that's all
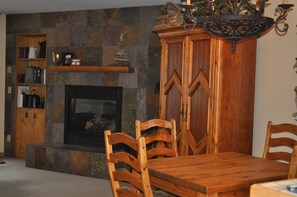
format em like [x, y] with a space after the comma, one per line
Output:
[89, 111]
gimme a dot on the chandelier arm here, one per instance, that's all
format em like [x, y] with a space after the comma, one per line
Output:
[210, 7]
[189, 15]
[261, 4]
[252, 8]
[229, 5]
[281, 19]
[189, 29]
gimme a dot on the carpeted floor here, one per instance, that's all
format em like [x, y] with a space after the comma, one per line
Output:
[16, 180]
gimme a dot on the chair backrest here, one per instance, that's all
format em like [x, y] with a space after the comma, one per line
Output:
[160, 137]
[293, 164]
[280, 136]
[121, 163]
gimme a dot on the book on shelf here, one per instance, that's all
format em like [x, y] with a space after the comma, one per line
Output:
[20, 98]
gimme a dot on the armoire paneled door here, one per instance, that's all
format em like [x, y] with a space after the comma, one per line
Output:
[208, 89]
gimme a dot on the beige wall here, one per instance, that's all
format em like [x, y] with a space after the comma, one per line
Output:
[2, 79]
[275, 78]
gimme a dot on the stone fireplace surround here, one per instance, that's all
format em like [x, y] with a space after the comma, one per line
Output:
[80, 154]
[66, 158]
[93, 35]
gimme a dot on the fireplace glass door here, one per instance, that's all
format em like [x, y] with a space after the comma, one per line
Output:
[89, 111]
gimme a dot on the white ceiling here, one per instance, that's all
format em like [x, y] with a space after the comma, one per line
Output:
[39, 6]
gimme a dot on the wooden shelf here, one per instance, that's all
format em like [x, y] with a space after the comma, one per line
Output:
[123, 69]
[31, 84]
[30, 108]
[31, 59]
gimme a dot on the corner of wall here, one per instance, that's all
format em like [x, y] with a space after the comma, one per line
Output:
[2, 79]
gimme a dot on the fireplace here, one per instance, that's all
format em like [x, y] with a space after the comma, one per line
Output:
[89, 111]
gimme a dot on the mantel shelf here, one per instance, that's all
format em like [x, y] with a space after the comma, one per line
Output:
[122, 69]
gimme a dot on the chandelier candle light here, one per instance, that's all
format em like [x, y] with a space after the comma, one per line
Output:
[234, 19]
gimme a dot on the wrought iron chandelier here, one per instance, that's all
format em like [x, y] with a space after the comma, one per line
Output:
[234, 19]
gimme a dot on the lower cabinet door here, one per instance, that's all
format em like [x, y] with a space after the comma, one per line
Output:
[30, 127]
[23, 132]
[38, 118]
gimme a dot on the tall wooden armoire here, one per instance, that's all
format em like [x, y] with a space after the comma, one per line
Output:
[208, 89]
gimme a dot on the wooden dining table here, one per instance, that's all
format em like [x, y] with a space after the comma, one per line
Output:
[221, 174]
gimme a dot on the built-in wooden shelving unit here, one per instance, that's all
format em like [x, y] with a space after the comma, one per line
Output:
[123, 69]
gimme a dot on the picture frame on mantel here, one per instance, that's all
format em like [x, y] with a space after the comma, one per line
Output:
[75, 62]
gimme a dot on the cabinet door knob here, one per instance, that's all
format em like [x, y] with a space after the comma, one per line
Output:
[35, 115]
[26, 115]
[182, 112]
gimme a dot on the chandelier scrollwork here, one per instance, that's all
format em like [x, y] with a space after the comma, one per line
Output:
[233, 19]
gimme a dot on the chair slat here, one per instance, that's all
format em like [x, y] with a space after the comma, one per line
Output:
[156, 123]
[125, 176]
[118, 138]
[282, 156]
[123, 157]
[282, 141]
[159, 137]
[124, 192]
[286, 127]
[160, 151]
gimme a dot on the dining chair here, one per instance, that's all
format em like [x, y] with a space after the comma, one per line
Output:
[293, 164]
[121, 162]
[160, 137]
[280, 140]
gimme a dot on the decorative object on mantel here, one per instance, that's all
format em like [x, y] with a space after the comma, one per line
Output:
[121, 56]
[62, 58]
[171, 16]
[234, 19]
[75, 62]
[56, 58]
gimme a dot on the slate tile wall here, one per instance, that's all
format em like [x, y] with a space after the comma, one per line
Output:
[94, 37]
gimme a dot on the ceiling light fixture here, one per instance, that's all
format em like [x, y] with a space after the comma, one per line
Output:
[234, 19]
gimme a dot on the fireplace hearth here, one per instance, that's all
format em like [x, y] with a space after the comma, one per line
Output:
[89, 111]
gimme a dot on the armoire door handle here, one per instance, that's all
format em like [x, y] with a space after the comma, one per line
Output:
[26, 115]
[35, 116]
[186, 113]
[182, 112]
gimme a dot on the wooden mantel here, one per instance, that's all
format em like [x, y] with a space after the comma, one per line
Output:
[122, 69]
